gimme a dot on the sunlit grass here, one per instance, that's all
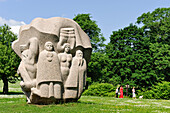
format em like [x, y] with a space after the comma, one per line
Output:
[86, 104]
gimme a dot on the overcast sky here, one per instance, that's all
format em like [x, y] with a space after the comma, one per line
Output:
[110, 15]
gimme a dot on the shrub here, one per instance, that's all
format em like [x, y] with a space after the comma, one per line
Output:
[159, 91]
[100, 89]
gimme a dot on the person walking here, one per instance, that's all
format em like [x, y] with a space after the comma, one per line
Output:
[117, 92]
[121, 92]
[133, 93]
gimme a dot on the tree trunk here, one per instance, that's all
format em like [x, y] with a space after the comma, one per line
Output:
[5, 87]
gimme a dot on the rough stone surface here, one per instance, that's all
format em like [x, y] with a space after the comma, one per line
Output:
[54, 55]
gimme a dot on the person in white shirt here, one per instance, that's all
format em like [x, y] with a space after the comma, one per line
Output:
[117, 92]
[133, 93]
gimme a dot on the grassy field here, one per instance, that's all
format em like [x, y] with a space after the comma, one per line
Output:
[86, 104]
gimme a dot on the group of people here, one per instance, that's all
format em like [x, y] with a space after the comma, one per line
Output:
[119, 91]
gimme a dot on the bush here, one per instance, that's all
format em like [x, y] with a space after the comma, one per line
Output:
[159, 91]
[100, 89]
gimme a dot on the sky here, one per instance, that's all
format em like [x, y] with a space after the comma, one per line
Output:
[110, 15]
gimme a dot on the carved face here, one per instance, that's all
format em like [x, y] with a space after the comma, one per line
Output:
[79, 53]
[49, 46]
[67, 48]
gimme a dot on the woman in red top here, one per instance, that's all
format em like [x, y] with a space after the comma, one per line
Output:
[121, 92]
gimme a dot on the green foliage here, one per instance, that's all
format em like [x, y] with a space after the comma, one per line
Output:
[100, 89]
[90, 27]
[98, 67]
[159, 91]
[156, 25]
[9, 61]
[140, 56]
[129, 57]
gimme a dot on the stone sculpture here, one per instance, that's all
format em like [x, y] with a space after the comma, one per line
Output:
[54, 55]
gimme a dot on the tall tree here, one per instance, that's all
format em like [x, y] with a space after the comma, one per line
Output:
[8, 59]
[128, 52]
[156, 26]
[92, 30]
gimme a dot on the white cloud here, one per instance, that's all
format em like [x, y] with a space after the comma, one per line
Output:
[15, 29]
[15, 25]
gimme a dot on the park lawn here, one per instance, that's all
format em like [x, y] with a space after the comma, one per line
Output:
[16, 102]
[86, 104]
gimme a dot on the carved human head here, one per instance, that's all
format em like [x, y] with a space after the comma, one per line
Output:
[66, 47]
[48, 46]
[79, 53]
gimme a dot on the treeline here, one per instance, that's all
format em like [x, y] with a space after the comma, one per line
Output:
[137, 56]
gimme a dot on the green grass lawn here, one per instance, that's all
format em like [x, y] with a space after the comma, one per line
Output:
[86, 104]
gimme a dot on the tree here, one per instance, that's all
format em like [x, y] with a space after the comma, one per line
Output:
[8, 59]
[128, 52]
[92, 30]
[156, 26]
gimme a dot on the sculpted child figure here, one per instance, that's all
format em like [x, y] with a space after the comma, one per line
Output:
[65, 61]
[49, 81]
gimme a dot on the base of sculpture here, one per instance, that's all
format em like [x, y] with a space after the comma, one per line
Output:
[35, 99]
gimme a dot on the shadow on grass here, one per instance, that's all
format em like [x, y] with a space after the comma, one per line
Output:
[12, 93]
[89, 103]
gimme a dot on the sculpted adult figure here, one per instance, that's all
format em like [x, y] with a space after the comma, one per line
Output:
[49, 79]
[27, 68]
[76, 80]
[65, 61]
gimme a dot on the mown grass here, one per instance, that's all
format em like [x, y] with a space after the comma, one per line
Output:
[86, 104]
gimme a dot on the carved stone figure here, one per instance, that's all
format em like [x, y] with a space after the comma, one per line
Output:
[76, 80]
[27, 68]
[48, 81]
[67, 35]
[65, 61]
[55, 53]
